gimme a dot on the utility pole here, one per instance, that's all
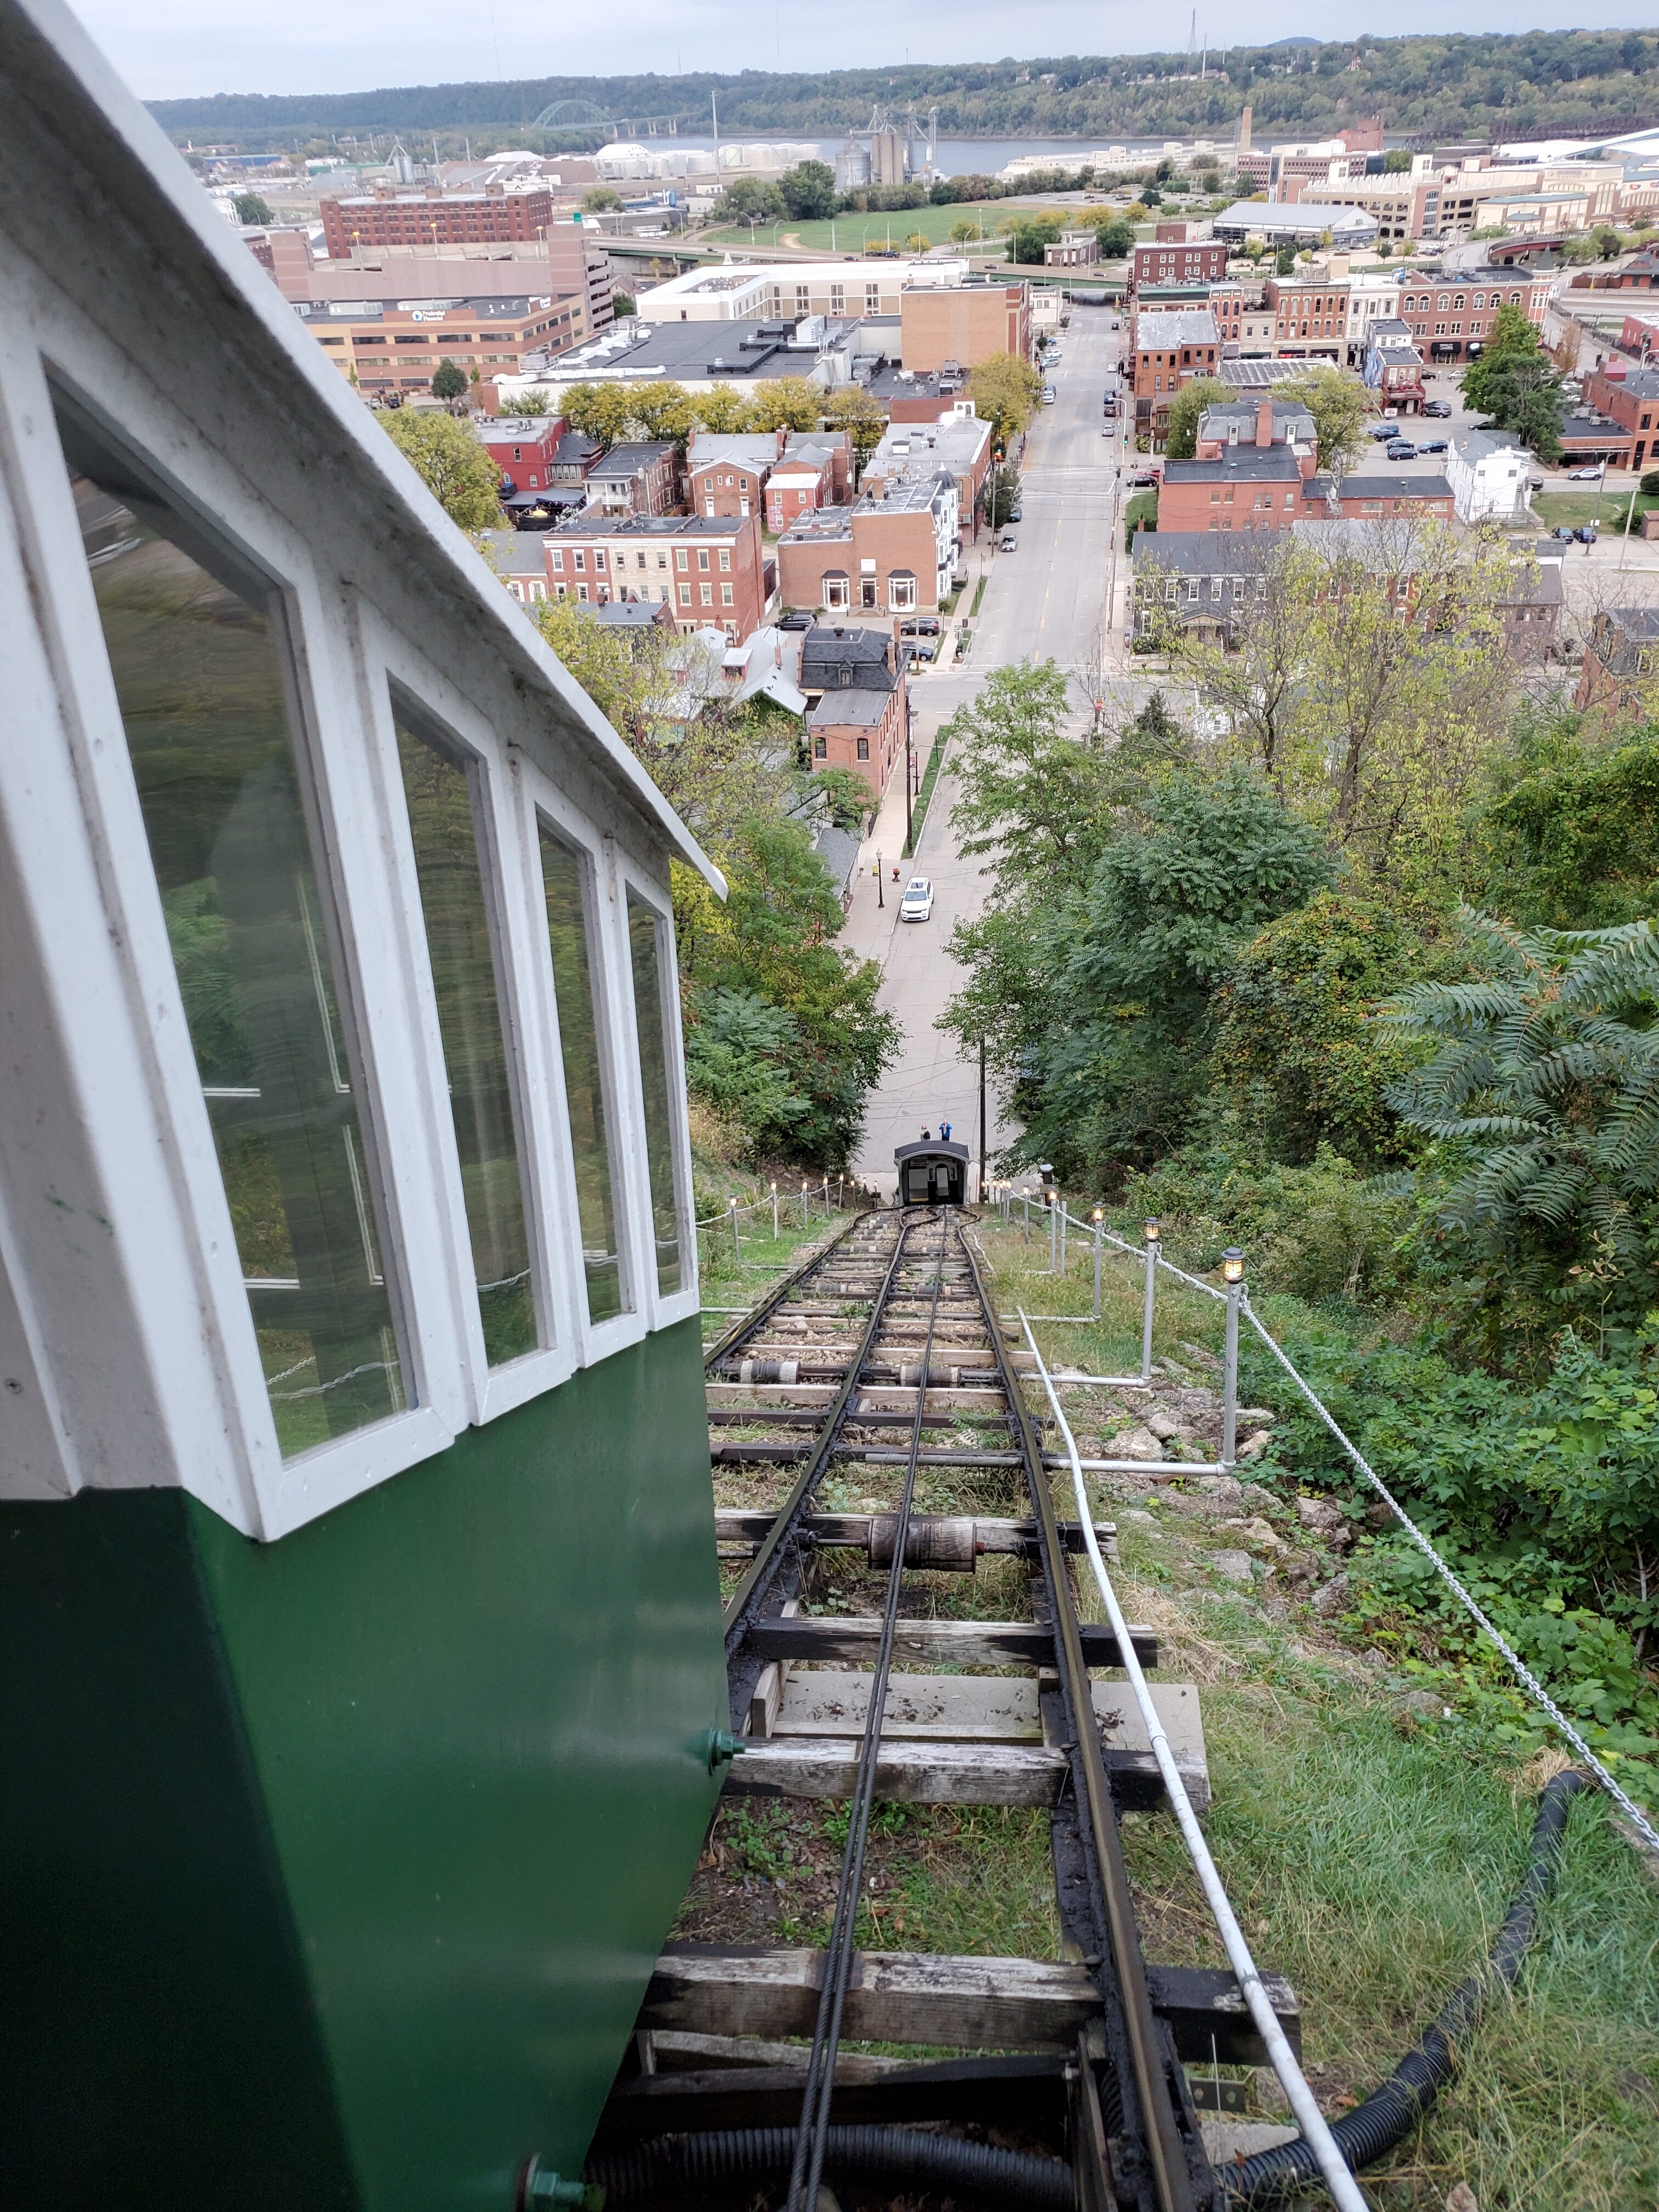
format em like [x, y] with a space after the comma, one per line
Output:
[982, 1120]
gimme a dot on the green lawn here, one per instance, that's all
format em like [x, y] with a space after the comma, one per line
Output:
[850, 233]
[1586, 503]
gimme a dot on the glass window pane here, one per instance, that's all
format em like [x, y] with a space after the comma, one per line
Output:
[199, 673]
[447, 862]
[562, 871]
[644, 936]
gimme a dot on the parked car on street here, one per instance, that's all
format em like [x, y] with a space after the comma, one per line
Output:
[1437, 407]
[1565, 529]
[1017, 513]
[1401, 449]
[1433, 445]
[1587, 475]
[1008, 543]
[796, 619]
[1383, 430]
[917, 904]
[1146, 474]
[1048, 395]
[1586, 533]
[920, 626]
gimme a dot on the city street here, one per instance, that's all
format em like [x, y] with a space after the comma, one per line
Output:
[1046, 598]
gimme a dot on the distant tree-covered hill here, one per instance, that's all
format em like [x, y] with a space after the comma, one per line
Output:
[1538, 83]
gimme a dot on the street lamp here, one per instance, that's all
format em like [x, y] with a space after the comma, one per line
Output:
[1233, 1264]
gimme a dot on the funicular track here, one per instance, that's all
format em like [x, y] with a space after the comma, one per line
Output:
[885, 1354]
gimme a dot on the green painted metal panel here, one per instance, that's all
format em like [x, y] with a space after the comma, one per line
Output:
[474, 1699]
[335, 1869]
[158, 2048]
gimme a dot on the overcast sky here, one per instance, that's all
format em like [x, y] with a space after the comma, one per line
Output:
[178, 47]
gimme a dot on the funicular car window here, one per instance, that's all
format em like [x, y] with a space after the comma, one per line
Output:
[444, 826]
[198, 652]
[563, 873]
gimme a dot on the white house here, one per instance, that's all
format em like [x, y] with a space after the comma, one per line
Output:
[1488, 471]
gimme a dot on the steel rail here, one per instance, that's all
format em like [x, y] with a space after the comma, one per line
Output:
[806, 2170]
[768, 1560]
[1166, 2155]
[756, 1316]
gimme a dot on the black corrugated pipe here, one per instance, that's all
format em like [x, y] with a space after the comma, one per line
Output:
[1390, 2113]
[658, 2172]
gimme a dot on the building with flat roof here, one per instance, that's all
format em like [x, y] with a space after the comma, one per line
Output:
[750, 292]
[1303, 222]
[638, 477]
[913, 453]
[386, 347]
[709, 569]
[743, 354]
[727, 475]
[963, 323]
[1169, 348]
[892, 554]
[435, 217]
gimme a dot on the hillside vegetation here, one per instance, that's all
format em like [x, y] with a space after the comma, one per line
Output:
[1569, 82]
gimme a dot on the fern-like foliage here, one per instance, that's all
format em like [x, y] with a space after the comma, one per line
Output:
[1544, 1086]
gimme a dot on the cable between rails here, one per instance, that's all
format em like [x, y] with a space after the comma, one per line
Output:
[1315, 2129]
[806, 2168]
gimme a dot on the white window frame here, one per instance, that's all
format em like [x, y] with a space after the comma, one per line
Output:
[681, 1305]
[544, 802]
[259, 1492]
[388, 659]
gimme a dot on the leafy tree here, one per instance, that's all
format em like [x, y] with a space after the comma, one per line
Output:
[1031, 799]
[1114, 237]
[1340, 407]
[1152, 196]
[786, 403]
[1297, 1047]
[601, 199]
[1572, 841]
[666, 410]
[621, 305]
[745, 199]
[603, 412]
[532, 403]
[1608, 244]
[963, 233]
[772, 941]
[449, 380]
[1396, 161]
[1651, 484]
[722, 409]
[1005, 390]
[1001, 496]
[1285, 261]
[1029, 233]
[850, 407]
[1543, 1092]
[1105, 1010]
[1181, 442]
[252, 208]
[1516, 385]
[451, 463]
[808, 192]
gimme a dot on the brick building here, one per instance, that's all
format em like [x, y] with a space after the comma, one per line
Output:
[1310, 316]
[1243, 319]
[1451, 318]
[1074, 249]
[914, 453]
[525, 449]
[710, 569]
[391, 346]
[1630, 398]
[1194, 261]
[566, 264]
[640, 477]
[890, 556]
[1619, 662]
[727, 475]
[434, 218]
[1169, 347]
[964, 323]
[860, 731]
[1394, 368]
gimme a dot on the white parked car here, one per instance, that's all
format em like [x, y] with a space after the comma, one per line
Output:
[917, 904]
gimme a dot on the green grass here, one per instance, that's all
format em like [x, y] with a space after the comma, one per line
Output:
[1144, 505]
[1369, 1857]
[979, 595]
[852, 232]
[930, 777]
[1583, 503]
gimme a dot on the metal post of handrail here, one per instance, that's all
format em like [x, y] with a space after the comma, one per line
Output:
[1054, 1230]
[1026, 1196]
[1100, 1215]
[1064, 1219]
[737, 1245]
[1151, 1236]
[1232, 1273]
[803, 1205]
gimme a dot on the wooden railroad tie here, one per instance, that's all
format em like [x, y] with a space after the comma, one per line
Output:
[953, 2003]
